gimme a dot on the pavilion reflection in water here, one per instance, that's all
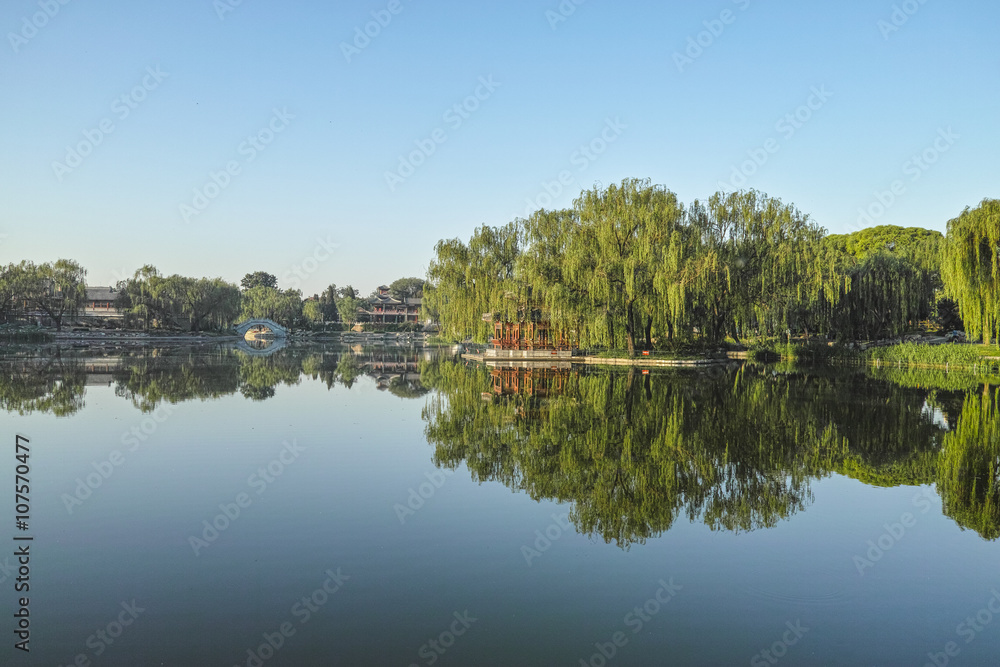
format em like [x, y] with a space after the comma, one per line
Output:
[537, 381]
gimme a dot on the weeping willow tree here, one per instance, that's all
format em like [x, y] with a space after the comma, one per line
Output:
[550, 237]
[971, 268]
[755, 264]
[612, 268]
[629, 267]
[627, 234]
[969, 473]
[467, 280]
[920, 246]
[890, 280]
[887, 295]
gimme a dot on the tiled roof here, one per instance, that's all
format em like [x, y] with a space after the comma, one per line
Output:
[101, 294]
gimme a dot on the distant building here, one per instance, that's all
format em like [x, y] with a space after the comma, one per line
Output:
[100, 304]
[384, 309]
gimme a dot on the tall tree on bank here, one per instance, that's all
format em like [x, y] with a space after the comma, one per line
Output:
[754, 253]
[628, 267]
[328, 303]
[348, 303]
[202, 301]
[891, 279]
[629, 235]
[971, 268]
[8, 292]
[173, 301]
[285, 308]
[549, 238]
[258, 279]
[467, 281]
[888, 295]
[57, 289]
[406, 288]
[140, 297]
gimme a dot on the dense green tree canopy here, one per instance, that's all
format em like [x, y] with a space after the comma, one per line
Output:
[259, 279]
[57, 289]
[735, 448]
[923, 246]
[312, 311]
[629, 264]
[404, 288]
[629, 267]
[328, 304]
[969, 480]
[472, 280]
[972, 268]
[285, 308]
[178, 301]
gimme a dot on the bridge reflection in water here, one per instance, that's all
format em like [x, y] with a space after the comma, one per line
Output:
[260, 347]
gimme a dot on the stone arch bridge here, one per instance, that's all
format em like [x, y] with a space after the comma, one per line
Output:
[260, 322]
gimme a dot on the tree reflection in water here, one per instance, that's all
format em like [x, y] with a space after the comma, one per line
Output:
[735, 447]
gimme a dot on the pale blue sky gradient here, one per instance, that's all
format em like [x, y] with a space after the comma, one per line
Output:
[323, 177]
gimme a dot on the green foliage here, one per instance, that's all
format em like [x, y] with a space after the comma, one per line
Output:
[348, 307]
[915, 470]
[43, 384]
[969, 471]
[971, 268]
[888, 295]
[260, 375]
[55, 381]
[923, 247]
[56, 289]
[628, 267]
[757, 268]
[149, 299]
[946, 314]
[259, 279]
[407, 388]
[736, 450]
[202, 301]
[328, 304]
[623, 243]
[938, 379]
[312, 311]
[936, 355]
[467, 281]
[285, 308]
[404, 288]
[149, 377]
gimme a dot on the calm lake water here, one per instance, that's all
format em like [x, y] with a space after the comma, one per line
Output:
[318, 506]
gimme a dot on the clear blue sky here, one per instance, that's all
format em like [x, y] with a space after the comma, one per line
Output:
[559, 83]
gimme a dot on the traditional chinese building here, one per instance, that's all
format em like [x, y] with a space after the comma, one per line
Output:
[383, 308]
[100, 304]
[530, 337]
